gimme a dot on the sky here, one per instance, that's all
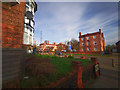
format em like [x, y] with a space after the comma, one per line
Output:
[62, 21]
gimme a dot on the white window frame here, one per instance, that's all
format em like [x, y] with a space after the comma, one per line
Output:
[31, 23]
[26, 20]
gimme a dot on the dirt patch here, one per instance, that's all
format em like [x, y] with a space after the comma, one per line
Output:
[40, 66]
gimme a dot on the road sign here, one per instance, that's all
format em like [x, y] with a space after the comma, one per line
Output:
[69, 47]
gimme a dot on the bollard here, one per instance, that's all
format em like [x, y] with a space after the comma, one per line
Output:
[77, 66]
[96, 67]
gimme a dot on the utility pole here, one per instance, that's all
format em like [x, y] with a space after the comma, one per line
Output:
[40, 36]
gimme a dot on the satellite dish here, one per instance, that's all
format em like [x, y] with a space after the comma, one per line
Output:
[29, 15]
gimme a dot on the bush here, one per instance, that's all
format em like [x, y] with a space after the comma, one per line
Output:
[70, 56]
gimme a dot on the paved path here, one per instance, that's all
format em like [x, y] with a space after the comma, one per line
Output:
[109, 74]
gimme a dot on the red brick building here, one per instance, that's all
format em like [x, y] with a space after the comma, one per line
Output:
[61, 47]
[91, 43]
[12, 24]
[12, 38]
[51, 47]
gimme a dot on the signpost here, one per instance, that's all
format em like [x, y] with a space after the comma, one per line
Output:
[69, 47]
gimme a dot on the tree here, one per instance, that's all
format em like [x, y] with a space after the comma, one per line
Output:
[110, 47]
[74, 44]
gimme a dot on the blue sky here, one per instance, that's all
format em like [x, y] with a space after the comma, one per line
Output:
[61, 21]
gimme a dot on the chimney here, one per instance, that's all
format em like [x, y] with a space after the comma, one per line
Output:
[102, 34]
[79, 33]
[100, 30]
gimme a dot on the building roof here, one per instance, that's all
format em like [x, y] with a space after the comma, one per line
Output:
[89, 34]
[117, 42]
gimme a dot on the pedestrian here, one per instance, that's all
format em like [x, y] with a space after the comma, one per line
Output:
[34, 50]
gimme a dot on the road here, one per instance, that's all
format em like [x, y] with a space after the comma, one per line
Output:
[109, 74]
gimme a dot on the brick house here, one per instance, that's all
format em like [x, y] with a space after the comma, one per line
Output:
[12, 24]
[92, 43]
[51, 47]
[12, 40]
[61, 47]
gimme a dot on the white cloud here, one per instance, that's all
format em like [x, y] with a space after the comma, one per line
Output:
[65, 21]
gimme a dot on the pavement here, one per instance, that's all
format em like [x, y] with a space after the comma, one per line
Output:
[109, 74]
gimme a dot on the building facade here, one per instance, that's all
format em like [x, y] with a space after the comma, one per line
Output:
[12, 38]
[28, 31]
[51, 47]
[92, 42]
[12, 24]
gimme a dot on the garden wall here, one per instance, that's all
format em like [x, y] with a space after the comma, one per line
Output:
[78, 78]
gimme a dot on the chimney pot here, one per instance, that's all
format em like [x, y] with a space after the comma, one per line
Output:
[79, 33]
[100, 30]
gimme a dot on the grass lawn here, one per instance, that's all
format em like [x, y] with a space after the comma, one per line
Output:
[89, 55]
[63, 66]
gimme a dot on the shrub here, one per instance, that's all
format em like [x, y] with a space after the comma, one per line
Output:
[70, 56]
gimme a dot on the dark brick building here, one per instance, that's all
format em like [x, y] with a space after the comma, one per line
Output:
[92, 43]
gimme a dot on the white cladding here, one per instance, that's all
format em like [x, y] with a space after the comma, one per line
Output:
[29, 24]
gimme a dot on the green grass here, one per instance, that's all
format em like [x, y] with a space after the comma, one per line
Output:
[89, 55]
[31, 82]
[63, 66]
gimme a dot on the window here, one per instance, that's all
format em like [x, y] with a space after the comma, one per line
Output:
[83, 49]
[95, 48]
[94, 36]
[87, 38]
[95, 43]
[27, 3]
[27, 9]
[88, 43]
[31, 23]
[26, 20]
[88, 49]
[32, 9]
[82, 39]
[82, 44]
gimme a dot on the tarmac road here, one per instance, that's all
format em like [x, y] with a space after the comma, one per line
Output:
[109, 74]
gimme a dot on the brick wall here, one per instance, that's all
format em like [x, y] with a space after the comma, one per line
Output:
[12, 25]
